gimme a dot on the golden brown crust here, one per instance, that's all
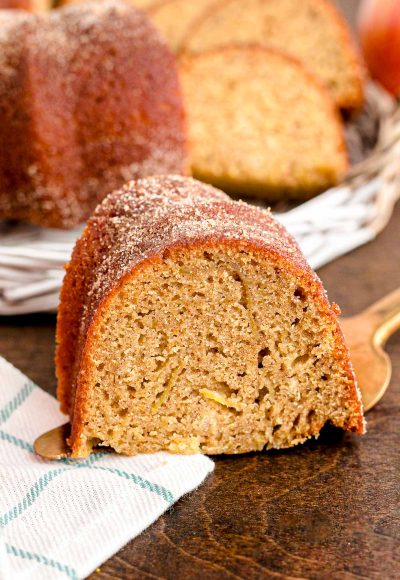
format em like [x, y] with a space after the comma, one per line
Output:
[136, 226]
[68, 136]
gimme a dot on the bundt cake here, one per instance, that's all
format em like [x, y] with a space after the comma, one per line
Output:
[175, 17]
[313, 31]
[89, 98]
[261, 124]
[190, 322]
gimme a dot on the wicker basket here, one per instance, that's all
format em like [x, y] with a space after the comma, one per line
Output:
[32, 259]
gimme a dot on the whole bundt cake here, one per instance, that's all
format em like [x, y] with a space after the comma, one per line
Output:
[189, 322]
[89, 98]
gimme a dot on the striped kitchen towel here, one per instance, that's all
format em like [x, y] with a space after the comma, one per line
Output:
[62, 519]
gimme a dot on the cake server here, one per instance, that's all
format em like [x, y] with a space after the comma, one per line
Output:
[366, 335]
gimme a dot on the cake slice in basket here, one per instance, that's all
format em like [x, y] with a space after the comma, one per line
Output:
[260, 124]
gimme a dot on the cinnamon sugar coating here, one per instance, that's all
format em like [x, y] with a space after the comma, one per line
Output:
[89, 98]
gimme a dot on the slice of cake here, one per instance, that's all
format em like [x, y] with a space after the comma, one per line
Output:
[189, 322]
[313, 31]
[175, 17]
[260, 124]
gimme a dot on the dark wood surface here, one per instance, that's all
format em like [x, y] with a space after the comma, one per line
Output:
[328, 509]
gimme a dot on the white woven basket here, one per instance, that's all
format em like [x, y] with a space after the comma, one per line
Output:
[32, 259]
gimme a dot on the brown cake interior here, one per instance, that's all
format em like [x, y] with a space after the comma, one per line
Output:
[215, 349]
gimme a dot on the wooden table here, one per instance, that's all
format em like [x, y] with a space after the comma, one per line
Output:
[329, 509]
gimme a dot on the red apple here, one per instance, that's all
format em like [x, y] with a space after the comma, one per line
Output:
[379, 27]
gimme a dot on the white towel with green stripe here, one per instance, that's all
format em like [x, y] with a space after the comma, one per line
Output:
[63, 519]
